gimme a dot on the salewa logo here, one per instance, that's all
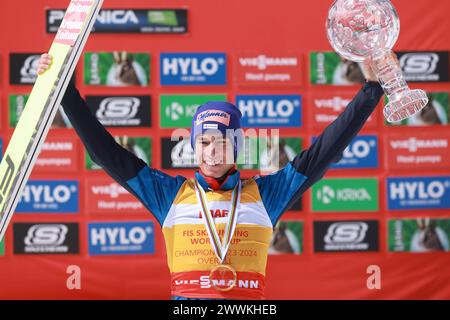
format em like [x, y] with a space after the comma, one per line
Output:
[414, 144]
[263, 61]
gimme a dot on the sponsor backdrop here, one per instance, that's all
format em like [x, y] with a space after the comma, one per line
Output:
[146, 68]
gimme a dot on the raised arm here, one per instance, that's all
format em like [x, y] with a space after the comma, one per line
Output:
[281, 189]
[155, 189]
[329, 146]
[118, 162]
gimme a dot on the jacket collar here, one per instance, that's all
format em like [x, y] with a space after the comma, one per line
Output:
[208, 183]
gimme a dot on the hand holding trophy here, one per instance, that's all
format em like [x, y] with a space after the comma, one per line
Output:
[368, 29]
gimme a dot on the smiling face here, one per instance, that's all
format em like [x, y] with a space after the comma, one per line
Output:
[215, 154]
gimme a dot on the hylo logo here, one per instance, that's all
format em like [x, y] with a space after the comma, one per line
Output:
[359, 149]
[268, 107]
[191, 66]
[418, 190]
[47, 194]
[119, 235]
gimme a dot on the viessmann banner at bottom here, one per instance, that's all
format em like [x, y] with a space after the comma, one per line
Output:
[42, 105]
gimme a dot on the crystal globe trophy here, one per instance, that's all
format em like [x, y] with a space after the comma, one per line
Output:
[368, 29]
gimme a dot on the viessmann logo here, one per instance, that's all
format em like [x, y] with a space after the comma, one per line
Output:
[113, 190]
[205, 283]
[262, 62]
[268, 69]
[327, 107]
[57, 146]
[415, 144]
[336, 103]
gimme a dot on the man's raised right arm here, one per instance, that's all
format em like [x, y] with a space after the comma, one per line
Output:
[154, 188]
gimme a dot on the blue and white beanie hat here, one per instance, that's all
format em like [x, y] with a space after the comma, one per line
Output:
[223, 117]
